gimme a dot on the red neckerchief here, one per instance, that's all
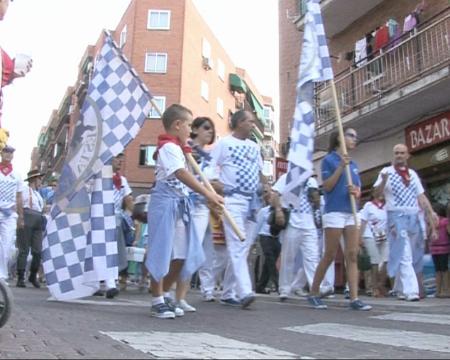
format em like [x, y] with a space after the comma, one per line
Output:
[403, 171]
[378, 204]
[6, 169]
[166, 138]
[117, 180]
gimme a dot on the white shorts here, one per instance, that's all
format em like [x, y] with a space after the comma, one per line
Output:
[337, 220]
[179, 249]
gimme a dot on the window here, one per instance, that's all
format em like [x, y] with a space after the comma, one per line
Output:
[123, 37]
[158, 20]
[204, 91]
[221, 69]
[160, 101]
[302, 7]
[146, 155]
[206, 49]
[220, 107]
[156, 62]
[267, 112]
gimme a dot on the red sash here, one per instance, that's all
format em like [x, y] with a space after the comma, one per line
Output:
[6, 169]
[403, 171]
[117, 180]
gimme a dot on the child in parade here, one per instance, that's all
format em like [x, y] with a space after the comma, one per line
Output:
[173, 249]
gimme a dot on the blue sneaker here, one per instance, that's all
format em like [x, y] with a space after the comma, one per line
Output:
[173, 307]
[347, 294]
[316, 302]
[246, 301]
[359, 305]
[162, 311]
[230, 302]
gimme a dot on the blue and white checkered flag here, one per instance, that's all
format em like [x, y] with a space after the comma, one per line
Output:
[79, 248]
[314, 66]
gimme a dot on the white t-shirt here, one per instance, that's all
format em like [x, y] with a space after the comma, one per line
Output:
[119, 195]
[262, 218]
[170, 159]
[376, 219]
[239, 162]
[302, 217]
[9, 186]
[398, 196]
[32, 199]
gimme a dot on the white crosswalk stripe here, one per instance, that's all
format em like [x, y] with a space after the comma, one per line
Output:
[173, 345]
[393, 337]
[419, 318]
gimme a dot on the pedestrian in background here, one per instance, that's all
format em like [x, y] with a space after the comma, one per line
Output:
[440, 249]
[29, 238]
[11, 208]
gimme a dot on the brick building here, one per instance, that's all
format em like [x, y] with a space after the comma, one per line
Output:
[181, 61]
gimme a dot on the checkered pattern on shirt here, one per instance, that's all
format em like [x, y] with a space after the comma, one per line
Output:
[8, 190]
[403, 196]
[80, 242]
[305, 205]
[246, 158]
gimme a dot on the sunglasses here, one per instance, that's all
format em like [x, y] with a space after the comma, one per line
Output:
[352, 136]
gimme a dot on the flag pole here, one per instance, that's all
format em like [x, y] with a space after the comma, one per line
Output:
[343, 148]
[208, 185]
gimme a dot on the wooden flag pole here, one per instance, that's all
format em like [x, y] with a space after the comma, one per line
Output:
[344, 148]
[208, 185]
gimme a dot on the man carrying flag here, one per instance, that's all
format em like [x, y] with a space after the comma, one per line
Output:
[80, 248]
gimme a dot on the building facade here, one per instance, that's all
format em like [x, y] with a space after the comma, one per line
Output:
[391, 61]
[181, 61]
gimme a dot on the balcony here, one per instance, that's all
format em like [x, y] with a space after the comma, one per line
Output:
[348, 10]
[403, 83]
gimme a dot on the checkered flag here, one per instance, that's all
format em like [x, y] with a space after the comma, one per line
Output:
[79, 248]
[314, 66]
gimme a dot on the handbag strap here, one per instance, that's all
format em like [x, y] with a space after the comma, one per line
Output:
[30, 198]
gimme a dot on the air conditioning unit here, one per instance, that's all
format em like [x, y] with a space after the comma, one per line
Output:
[206, 63]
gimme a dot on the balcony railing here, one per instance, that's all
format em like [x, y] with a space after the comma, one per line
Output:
[421, 53]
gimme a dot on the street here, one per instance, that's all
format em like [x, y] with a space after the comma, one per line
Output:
[122, 328]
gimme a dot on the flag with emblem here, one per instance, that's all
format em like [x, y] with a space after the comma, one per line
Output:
[314, 66]
[79, 247]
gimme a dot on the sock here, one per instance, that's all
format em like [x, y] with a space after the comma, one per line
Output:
[157, 300]
[168, 295]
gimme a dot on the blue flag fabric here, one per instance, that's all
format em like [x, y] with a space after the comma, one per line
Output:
[314, 66]
[79, 247]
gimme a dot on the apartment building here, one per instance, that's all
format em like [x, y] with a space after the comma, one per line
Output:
[181, 61]
[396, 90]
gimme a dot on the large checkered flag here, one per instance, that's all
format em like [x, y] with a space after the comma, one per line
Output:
[79, 248]
[314, 66]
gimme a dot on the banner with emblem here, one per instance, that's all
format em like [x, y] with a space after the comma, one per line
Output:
[314, 66]
[79, 247]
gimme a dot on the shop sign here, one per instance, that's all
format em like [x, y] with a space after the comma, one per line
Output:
[427, 133]
[281, 166]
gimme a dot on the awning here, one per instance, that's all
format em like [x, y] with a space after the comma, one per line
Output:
[237, 84]
[258, 108]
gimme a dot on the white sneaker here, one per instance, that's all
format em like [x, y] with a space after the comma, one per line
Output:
[182, 304]
[300, 292]
[208, 297]
[412, 297]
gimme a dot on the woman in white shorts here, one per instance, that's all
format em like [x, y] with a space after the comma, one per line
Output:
[338, 219]
[373, 234]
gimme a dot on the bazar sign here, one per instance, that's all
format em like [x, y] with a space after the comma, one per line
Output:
[428, 133]
[281, 166]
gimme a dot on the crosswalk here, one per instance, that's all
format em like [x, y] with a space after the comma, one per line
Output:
[384, 331]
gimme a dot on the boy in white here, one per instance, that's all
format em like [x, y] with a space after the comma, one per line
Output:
[373, 234]
[172, 240]
[240, 163]
[300, 235]
[404, 194]
[11, 210]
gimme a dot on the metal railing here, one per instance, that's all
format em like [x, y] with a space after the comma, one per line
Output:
[422, 52]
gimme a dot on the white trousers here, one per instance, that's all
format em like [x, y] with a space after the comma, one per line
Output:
[8, 226]
[405, 279]
[293, 241]
[200, 218]
[220, 263]
[237, 275]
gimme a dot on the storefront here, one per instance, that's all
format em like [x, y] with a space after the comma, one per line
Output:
[429, 145]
